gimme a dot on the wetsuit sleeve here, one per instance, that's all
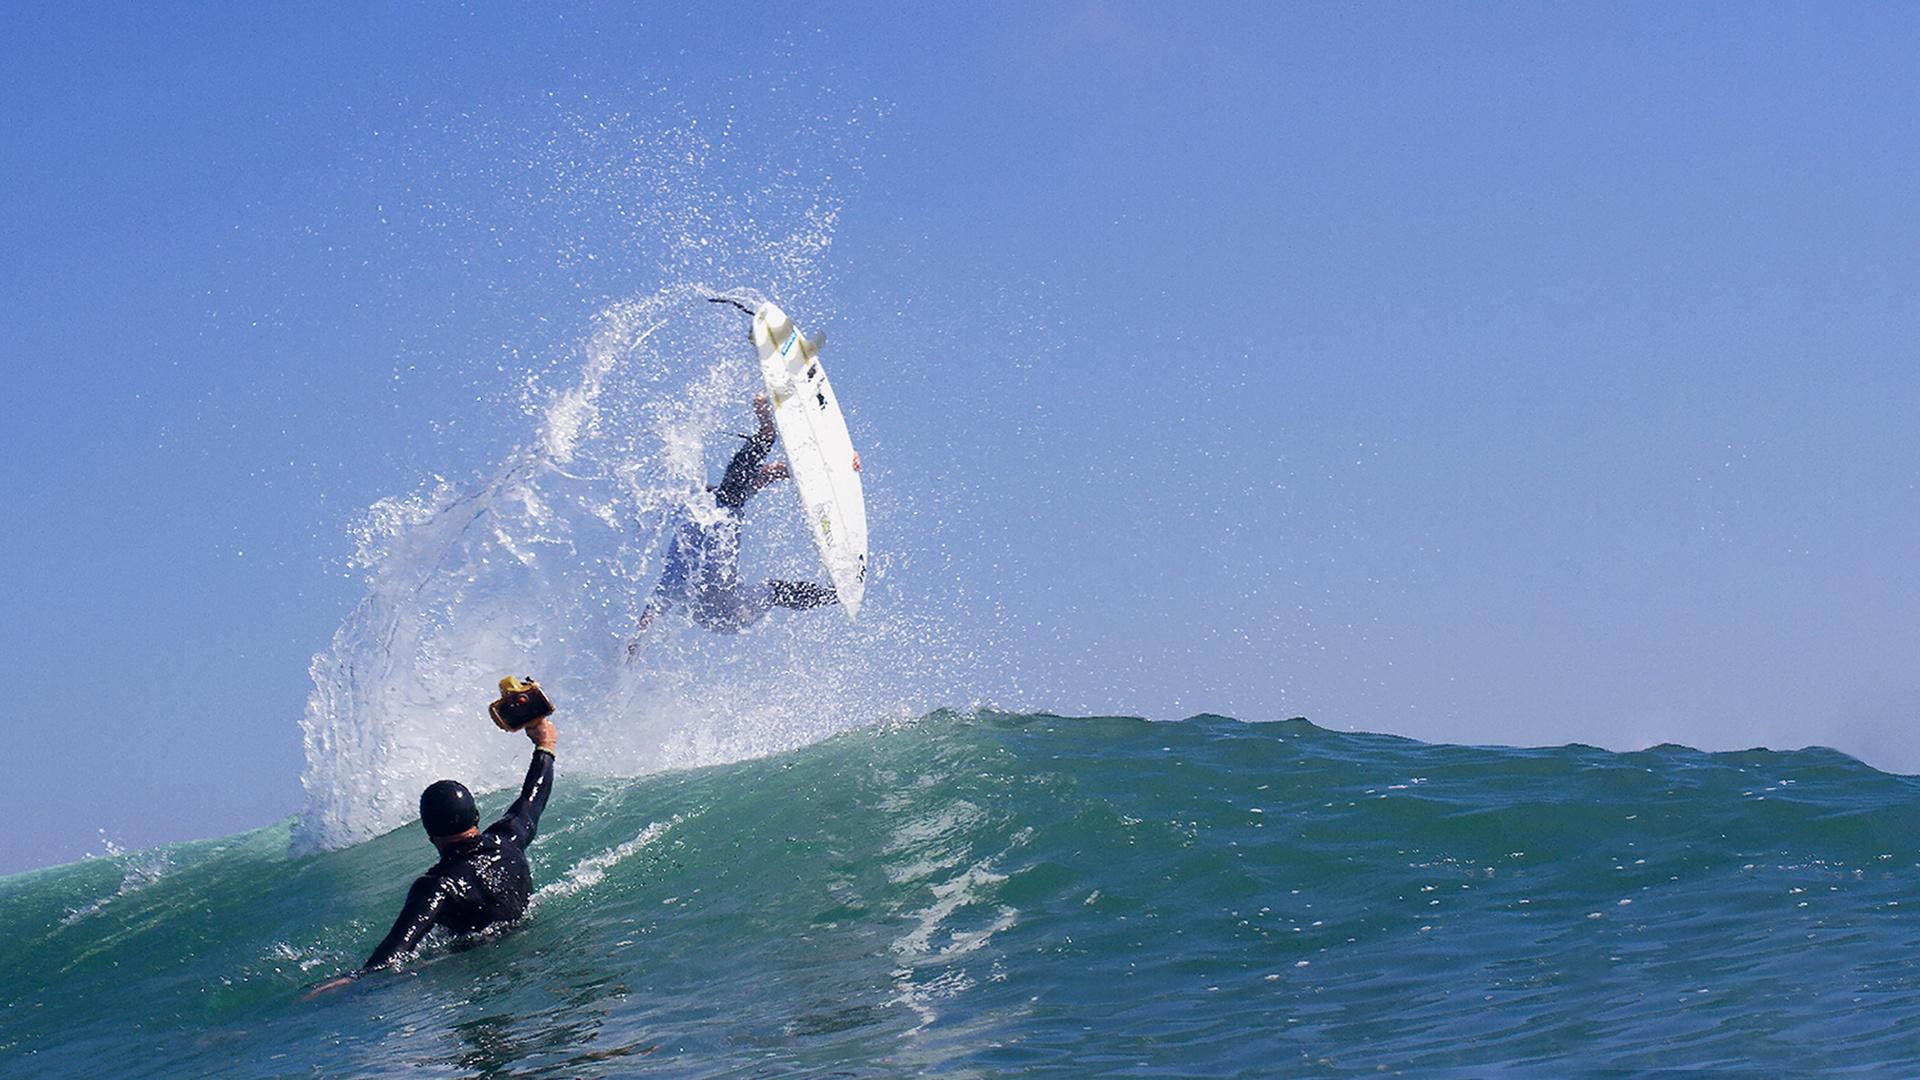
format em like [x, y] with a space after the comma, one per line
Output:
[423, 907]
[736, 486]
[522, 819]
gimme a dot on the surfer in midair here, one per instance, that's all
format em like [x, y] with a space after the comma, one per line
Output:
[702, 571]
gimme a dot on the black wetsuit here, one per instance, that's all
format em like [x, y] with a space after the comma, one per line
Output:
[736, 484]
[703, 562]
[479, 882]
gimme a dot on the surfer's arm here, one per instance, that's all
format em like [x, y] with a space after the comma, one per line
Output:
[522, 820]
[744, 476]
[423, 907]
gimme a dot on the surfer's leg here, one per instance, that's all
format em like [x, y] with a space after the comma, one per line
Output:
[800, 594]
[729, 611]
[721, 570]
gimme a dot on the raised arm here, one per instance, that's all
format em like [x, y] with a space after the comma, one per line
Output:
[743, 476]
[522, 819]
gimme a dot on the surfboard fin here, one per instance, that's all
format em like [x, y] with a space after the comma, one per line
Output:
[816, 343]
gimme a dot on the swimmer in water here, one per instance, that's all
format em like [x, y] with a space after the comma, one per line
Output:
[482, 878]
[702, 571]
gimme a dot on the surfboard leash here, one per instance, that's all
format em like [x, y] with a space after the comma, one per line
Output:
[729, 300]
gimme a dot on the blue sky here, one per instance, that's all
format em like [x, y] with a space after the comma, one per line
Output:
[1498, 373]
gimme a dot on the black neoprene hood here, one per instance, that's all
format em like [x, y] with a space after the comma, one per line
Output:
[446, 808]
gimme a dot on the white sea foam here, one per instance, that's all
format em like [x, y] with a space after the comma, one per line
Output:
[138, 870]
[544, 565]
[591, 870]
[929, 950]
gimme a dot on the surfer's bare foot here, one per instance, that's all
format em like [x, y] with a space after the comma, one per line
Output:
[769, 473]
[763, 409]
[856, 461]
[640, 634]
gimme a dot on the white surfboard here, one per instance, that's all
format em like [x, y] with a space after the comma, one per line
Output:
[826, 471]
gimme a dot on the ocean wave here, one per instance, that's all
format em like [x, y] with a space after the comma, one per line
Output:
[986, 892]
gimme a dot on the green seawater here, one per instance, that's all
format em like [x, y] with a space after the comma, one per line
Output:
[976, 895]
